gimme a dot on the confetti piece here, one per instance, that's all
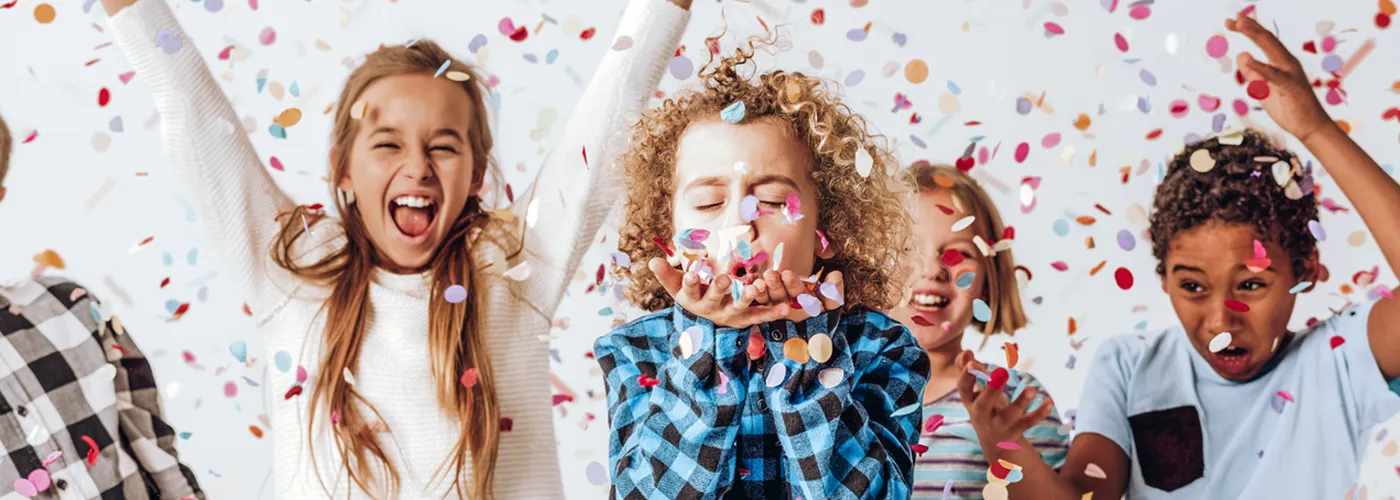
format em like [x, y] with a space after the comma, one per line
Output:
[1283, 173]
[1337, 341]
[1201, 161]
[1220, 342]
[903, 411]
[1060, 265]
[1315, 228]
[1258, 89]
[864, 163]
[916, 71]
[818, 17]
[963, 223]
[796, 350]
[350, 377]
[757, 347]
[1013, 354]
[1007, 445]
[995, 491]
[981, 311]
[1217, 46]
[832, 293]
[1300, 287]
[734, 113]
[932, 424]
[818, 348]
[268, 36]
[965, 279]
[1053, 29]
[1237, 306]
[1094, 471]
[1123, 277]
[680, 67]
[831, 377]
[810, 305]
[1120, 42]
[997, 379]
[45, 14]
[776, 375]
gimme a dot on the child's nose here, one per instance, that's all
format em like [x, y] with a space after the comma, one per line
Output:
[1221, 319]
[418, 167]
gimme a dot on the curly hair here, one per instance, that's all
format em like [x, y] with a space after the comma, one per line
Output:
[861, 216]
[1240, 189]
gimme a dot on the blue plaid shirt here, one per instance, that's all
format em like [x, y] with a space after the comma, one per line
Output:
[710, 426]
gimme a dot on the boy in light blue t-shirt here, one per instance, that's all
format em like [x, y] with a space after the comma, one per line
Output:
[1230, 404]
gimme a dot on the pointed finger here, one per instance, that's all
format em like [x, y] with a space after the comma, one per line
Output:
[1273, 49]
[669, 277]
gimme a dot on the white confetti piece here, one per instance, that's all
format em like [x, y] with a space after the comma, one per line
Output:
[1221, 341]
[778, 258]
[864, 162]
[349, 377]
[458, 76]
[819, 348]
[357, 110]
[1201, 161]
[831, 377]
[1283, 172]
[963, 223]
[622, 43]
[1094, 471]
[519, 273]
[105, 372]
[905, 410]
[776, 375]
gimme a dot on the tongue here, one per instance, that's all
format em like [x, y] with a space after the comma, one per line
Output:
[411, 221]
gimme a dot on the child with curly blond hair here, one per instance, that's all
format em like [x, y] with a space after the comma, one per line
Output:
[765, 238]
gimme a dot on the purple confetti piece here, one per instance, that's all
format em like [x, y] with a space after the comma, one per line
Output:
[680, 67]
[1317, 232]
[1332, 63]
[855, 77]
[748, 208]
[899, 39]
[455, 294]
[596, 474]
[1126, 240]
[116, 124]
[169, 42]
[981, 375]
[1144, 105]
[477, 42]
[1023, 105]
[214, 5]
[917, 141]
[856, 35]
[1217, 122]
[621, 260]
[810, 304]
[1148, 78]
[776, 375]
[830, 291]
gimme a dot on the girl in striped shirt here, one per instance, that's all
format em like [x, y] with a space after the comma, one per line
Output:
[963, 274]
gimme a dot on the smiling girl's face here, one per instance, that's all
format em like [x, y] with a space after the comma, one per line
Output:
[943, 310]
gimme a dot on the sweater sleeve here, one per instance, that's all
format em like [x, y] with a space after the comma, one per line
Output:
[674, 418]
[847, 423]
[212, 159]
[581, 179]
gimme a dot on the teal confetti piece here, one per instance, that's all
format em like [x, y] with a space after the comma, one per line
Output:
[277, 131]
[283, 359]
[606, 311]
[551, 56]
[981, 311]
[240, 351]
[1298, 288]
[735, 290]
[185, 435]
[953, 88]
[744, 249]
[905, 410]
[965, 280]
[443, 69]
[295, 90]
[734, 113]
[95, 312]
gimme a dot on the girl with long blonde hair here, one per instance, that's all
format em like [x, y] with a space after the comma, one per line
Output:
[413, 317]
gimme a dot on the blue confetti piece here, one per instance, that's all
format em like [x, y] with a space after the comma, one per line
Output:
[95, 312]
[295, 89]
[965, 280]
[1014, 476]
[166, 258]
[735, 290]
[855, 77]
[1140, 326]
[606, 311]
[443, 68]
[277, 131]
[954, 89]
[977, 138]
[551, 56]
[1061, 227]
[193, 255]
[905, 410]
[240, 351]
[283, 360]
[744, 249]
[1298, 288]
[262, 83]
[185, 435]
[172, 305]
[1134, 60]
[1388, 168]
[734, 113]
[980, 310]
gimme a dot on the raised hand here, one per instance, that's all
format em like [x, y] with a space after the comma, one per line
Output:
[768, 299]
[996, 419]
[1291, 102]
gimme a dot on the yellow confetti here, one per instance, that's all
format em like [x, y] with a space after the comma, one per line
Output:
[458, 76]
[948, 103]
[49, 258]
[1201, 161]
[288, 118]
[1357, 238]
[357, 110]
[796, 350]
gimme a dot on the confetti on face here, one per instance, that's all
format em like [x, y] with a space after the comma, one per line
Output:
[1220, 342]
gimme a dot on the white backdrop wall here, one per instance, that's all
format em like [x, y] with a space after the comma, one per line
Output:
[92, 183]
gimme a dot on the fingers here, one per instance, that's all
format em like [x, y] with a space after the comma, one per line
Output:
[1024, 422]
[669, 277]
[1268, 72]
[967, 383]
[714, 297]
[793, 284]
[761, 292]
[836, 280]
[690, 289]
[1273, 49]
[1022, 402]
[777, 291]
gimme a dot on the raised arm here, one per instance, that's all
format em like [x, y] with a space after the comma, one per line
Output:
[1294, 106]
[575, 194]
[673, 431]
[210, 155]
[839, 420]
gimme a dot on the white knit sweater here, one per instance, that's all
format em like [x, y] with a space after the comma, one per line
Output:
[237, 201]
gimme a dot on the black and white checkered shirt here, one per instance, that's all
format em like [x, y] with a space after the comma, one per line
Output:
[80, 417]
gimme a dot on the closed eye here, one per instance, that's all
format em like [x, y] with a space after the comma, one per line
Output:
[712, 206]
[448, 149]
[386, 145]
[776, 205]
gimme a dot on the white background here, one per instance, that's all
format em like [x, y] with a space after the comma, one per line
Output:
[75, 188]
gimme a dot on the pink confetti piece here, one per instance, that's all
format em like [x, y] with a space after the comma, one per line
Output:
[1217, 46]
[1356, 57]
[1050, 140]
[268, 36]
[1007, 445]
[1120, 42]
[932, 424]
[1054, 29]
[1022, 151]
[1060, 265]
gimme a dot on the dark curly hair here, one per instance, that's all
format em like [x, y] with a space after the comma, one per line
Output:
[1239, 189]
[862, 216]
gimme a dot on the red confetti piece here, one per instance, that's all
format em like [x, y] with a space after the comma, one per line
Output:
[225, 54]
[944, 208]
[952, 257]
[145, 241]
[1310, 47]
[585, 155]
[1054, 29]
[469, 378]
[165, 282]
[104, 96]
[998, 380]
[119, 349]
[1022, 151]
[294, 391]
[1287, 396]
[1237, 306]
[1060, 265]
[919, 320]
[9, 5]
[600, 274]
[1124, 277]
[92, 451]
[1009, 233]
[1392, 113]
[662, 244]
[964, 164]
[1258, 89]
[510, 194]
[1155, 133]
[818, 17]
[932, 424]
[276, 164]
[92, 62]
[1102, 209]
[519, 34]
[647, 381]
[765, 25]
[588, 33]
[562, 398]
[999, 471]
[918, 449]
[1337, 341]
[1121, 42]
[33, 134]
[1382, 20]
[180, 311]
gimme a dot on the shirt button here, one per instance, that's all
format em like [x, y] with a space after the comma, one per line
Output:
[23, 412]
[762, 404]
[738, 341]
[775, 334]
[61, 484]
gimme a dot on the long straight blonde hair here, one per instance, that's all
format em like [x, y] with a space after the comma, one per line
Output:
[454, 336]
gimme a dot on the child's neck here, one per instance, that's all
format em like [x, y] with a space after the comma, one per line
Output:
[943, 369]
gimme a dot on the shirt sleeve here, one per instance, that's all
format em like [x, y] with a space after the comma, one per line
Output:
[1046, 436]
[1357, 366]
[1103, 407]
[141, 420]
[1379, 464]
[674, 418]
[846, 424]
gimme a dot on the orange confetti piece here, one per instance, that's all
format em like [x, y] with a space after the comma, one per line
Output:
[1089, 242]
[1126, 171]
[257, 432]
[1387, 7]
[1012, 355]
[1085, 220]
[49, 258]
[942, 181]
[1083, 122]
[867, 27]
[247, 310]
[1098, 268]
[1094, 158]
[288, 118]
[1346, 127]
[1073, 326]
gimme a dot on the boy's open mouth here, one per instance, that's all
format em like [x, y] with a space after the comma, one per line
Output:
[1232, 360]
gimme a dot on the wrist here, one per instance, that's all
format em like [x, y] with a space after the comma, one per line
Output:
[1322, 130]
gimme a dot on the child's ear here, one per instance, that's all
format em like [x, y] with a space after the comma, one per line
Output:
[826, 252]
[1314, 271]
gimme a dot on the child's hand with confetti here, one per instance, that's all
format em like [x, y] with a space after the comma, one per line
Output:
[716, 301]
[996, 419]
[1280, 84]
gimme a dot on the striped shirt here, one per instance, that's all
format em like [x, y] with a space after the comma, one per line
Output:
[954, 454]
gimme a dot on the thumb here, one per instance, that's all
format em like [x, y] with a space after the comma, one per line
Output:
[669, 277]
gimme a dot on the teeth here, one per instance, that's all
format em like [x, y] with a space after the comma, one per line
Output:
[928, 299]
[413, 201]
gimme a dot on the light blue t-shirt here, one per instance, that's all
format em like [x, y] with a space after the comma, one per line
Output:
[1192, 434]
